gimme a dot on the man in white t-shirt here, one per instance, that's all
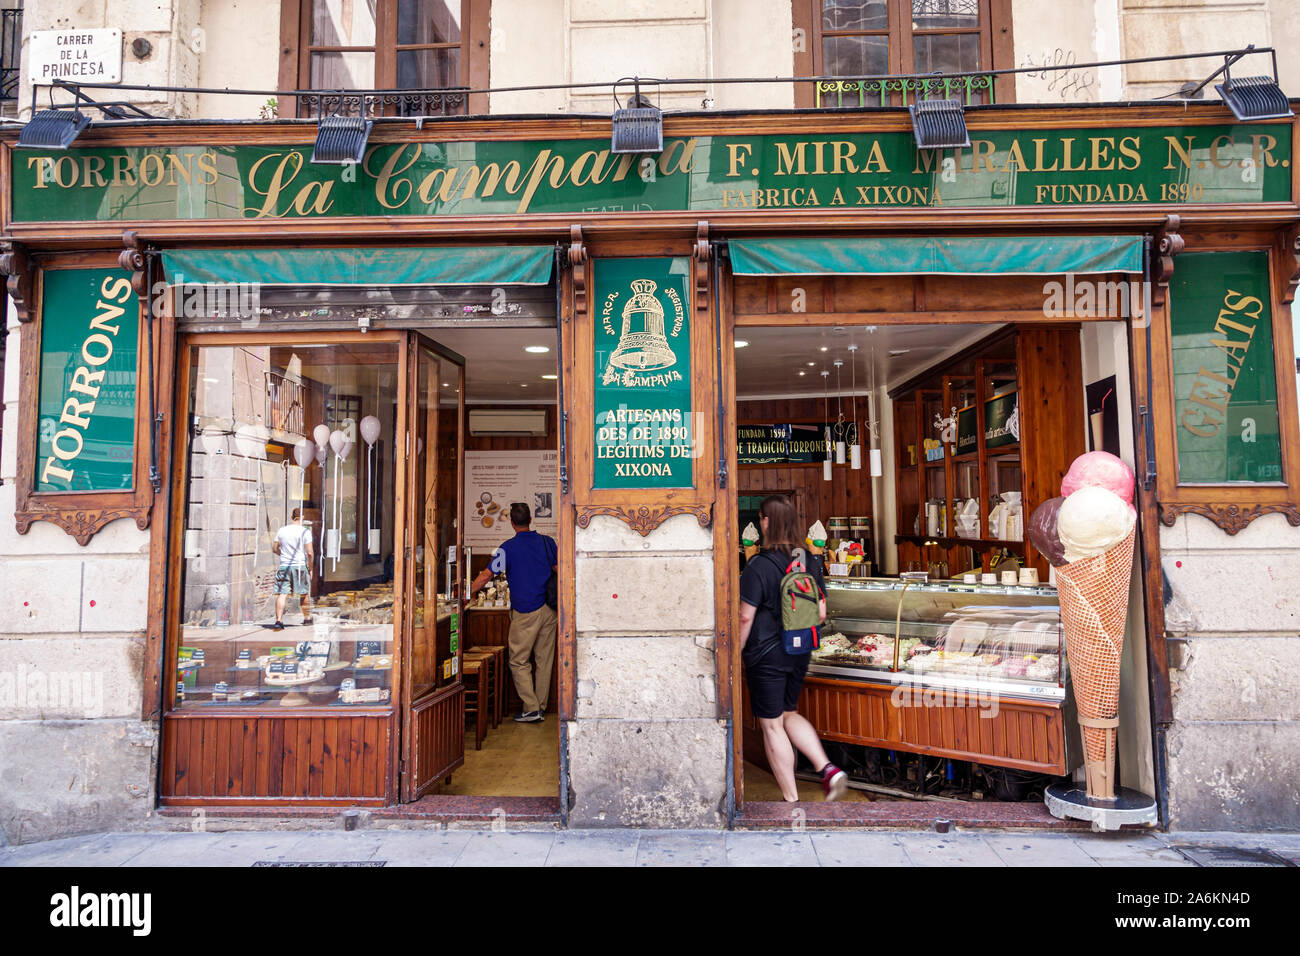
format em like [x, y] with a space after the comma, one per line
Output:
[293, 576]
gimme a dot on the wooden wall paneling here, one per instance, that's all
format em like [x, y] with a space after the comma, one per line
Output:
[1051, 416]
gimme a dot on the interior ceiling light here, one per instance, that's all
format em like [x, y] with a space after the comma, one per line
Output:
[550, 378]
[825, 349]
[536, 349]
[741, 343]
[53, 129]
[341, 140]
[939, 124]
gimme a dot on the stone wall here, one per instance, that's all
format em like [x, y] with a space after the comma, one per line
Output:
[171, 28]
[74, 754]
[647, 748]
[1234, 747]
[533, 43]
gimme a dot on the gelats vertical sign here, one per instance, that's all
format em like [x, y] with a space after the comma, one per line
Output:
[1225, 380]
[90, 331]
[643, 374]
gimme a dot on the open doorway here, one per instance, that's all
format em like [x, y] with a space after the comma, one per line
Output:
[941, 674]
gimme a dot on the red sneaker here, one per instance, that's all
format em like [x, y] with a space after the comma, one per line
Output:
[834, 782]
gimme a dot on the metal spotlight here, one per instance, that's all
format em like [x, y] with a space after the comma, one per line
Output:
[1254, 97]
[939, 124]
[637, 127]
[53, 129]
[341, 140]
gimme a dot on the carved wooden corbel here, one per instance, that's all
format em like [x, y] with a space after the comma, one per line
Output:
[702, 257]
[1290, 265]
[578, 264]
[1168, 243]
[645, 518]
[1231, 518]
[15, 264]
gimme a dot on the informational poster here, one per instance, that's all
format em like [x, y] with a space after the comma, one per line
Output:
[643, 374]
[494, 480]
[1225, 379]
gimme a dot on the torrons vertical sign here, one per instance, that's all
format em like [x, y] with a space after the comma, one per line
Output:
[90, 331]
[1225, 379]
[643, 374]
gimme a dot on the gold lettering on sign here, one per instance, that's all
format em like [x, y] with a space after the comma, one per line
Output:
[96, 349]
[1207, 401]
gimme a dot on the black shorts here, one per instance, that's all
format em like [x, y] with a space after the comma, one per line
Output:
[775, 681]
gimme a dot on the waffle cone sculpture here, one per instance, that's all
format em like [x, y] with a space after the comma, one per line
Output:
[1094, 609]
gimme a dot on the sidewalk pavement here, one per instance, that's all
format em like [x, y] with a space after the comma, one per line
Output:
[550, 847]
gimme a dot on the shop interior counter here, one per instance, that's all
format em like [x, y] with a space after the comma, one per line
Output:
[971, 672]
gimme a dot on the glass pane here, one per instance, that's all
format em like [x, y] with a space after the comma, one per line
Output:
[945, 14]
[268, 515]
[428, 69]
[855, 56]
[86, 434]
[428, 21]
[855, 15]
[343, 23]
[433, 661]
[1225, 376]
[342, 71]
[954, 53]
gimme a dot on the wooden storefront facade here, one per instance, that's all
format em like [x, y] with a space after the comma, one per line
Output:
[1080, 171]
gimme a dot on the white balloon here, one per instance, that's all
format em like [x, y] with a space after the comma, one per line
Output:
[337, 440]
[322, 434]
[304, 452]
[370, 429]
[345, 450]
[321, 452]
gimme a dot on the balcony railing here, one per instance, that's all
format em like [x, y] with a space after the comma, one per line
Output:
[11, 38]
[970, 88]
[448, 102]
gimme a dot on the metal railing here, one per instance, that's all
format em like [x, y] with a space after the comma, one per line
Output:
[970, 88]
[453, 101]
[11, 39]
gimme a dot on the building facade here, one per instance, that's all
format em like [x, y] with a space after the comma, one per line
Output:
[649, 694]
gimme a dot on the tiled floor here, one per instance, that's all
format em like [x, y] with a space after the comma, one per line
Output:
[551, 847]
[517, 760]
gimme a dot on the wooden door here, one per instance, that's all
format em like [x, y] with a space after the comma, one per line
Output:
[433, 722]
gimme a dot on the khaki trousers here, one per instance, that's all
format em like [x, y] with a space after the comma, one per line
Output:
[532, 640]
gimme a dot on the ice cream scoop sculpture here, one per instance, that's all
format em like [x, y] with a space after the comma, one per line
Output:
[816, 539]
[1095, 526]
[749, 538]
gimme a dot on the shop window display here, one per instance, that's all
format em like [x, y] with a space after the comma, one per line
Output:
[285, 492]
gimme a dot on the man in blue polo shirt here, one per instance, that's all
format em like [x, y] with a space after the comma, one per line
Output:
[528, 560]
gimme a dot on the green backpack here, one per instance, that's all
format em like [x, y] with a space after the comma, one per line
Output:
[802, 608]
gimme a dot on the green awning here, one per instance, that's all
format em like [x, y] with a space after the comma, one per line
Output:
[406, 266]
[974, 255]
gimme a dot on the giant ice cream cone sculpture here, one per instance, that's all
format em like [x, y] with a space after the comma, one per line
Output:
[1087, 535]
[1094, 610]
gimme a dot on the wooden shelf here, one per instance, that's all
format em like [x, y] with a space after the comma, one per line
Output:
[1002, 450]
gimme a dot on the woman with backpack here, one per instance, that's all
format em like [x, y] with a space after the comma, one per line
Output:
[773, 672]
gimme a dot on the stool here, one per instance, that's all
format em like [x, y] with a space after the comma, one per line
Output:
[500, 659]
[491, 679]
[473, 675]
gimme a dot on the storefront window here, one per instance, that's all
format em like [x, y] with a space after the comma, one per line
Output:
[287, 571]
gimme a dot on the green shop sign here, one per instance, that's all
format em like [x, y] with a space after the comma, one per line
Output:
[90, 331]
[1002, 420]
[643, 374]
[1031, 168]
[1225, 380]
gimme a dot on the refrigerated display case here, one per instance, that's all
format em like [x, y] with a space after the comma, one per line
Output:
[1000, 639]
[944, 669]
